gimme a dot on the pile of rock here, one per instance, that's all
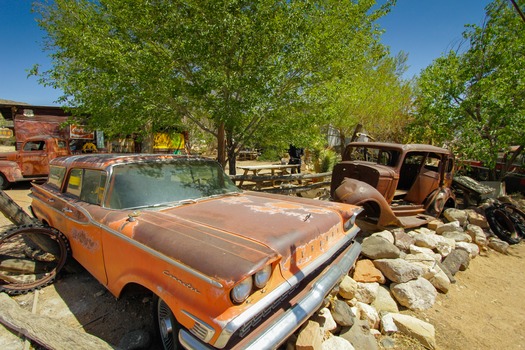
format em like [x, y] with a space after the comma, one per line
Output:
[398, 268]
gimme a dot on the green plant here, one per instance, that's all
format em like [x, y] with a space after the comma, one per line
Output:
[324, 160]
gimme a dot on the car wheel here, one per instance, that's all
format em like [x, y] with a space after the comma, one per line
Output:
[502, 225]
[4, 183]
[166, 325]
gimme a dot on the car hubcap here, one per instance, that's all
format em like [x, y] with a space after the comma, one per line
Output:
[165, 319]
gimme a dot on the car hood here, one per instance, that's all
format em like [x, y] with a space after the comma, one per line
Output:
[8, 155]
[231, 237]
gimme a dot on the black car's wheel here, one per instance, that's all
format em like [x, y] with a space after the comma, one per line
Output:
[4, 184]
[166, 325]
[30, 258]
[502, 225]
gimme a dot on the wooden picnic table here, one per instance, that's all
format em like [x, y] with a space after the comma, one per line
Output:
[271, 170]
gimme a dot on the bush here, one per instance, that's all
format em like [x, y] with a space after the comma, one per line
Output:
[325, 161]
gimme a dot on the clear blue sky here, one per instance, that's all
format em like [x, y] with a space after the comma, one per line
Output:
[422, 28]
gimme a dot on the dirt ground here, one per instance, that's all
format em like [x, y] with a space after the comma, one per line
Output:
[484, 309]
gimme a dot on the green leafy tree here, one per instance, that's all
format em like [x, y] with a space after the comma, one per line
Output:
[228, 66]
[375, 97]
[474, 99]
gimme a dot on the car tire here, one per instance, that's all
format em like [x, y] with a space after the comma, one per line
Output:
[166, 325]
[516, 216]
[4, 183]
[502, 225]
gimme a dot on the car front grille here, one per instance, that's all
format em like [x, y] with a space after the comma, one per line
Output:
[245, 329]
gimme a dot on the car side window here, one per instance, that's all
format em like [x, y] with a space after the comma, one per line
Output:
[74, 184]
[87, 185]
[56, 176]
[432, 162]
[61, 144]
[93, 184]
[35, 146]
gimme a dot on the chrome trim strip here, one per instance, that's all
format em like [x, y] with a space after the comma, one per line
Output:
[294, 317]
[355, 214]
[281, 329]
[210, 331]
[264, 303]
[188, 341]
[141, 246]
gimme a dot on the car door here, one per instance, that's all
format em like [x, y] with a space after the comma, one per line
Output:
[84, 190]
[33, 159]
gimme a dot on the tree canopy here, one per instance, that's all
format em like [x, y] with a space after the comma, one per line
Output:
[229, 66]
[473, 98]
[376, 97]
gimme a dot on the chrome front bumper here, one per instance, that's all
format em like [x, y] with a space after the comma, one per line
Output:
[272, 336]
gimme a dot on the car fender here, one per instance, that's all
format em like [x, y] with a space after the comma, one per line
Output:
[437, 201]
[352, 191]
[11, 170]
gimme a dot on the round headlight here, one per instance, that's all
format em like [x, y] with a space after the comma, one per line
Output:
[261, 277]
[241, 291]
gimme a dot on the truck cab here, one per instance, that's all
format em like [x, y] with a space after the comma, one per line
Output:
[403, 185]
[31, 161]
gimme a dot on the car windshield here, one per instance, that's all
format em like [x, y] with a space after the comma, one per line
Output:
[375, 155]
[151, 184]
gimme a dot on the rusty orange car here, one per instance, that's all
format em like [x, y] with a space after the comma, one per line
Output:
[227, 268]
[403, 185]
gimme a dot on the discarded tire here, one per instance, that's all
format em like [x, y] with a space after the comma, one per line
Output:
[30, 258]
[501, 224]
[516, 216]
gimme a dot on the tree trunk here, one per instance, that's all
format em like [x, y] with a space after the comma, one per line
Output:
[508, 161]
[357, 130]
[19, 217]
[47, 332]
[221, 145]
[342, 141]
[13, 211]
[147, 143]
[232, 156]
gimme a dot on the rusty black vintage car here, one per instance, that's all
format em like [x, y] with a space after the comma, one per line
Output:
[397, 184]
[228, 269]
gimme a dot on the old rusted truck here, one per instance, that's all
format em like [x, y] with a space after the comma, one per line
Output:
[403, 185]
[31, 161]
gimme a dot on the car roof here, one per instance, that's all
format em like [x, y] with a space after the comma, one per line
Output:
[43, 137]
[401, 147]
[104, 160]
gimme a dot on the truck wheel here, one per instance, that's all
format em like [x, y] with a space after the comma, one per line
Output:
[4, 183]
[166, 325]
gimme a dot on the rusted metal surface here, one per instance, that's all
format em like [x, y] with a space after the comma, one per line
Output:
[193, 252]
[28, 127]
[32, 160]
[394, 181]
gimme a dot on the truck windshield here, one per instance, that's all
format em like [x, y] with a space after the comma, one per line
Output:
[374, 155]
[160, 183]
